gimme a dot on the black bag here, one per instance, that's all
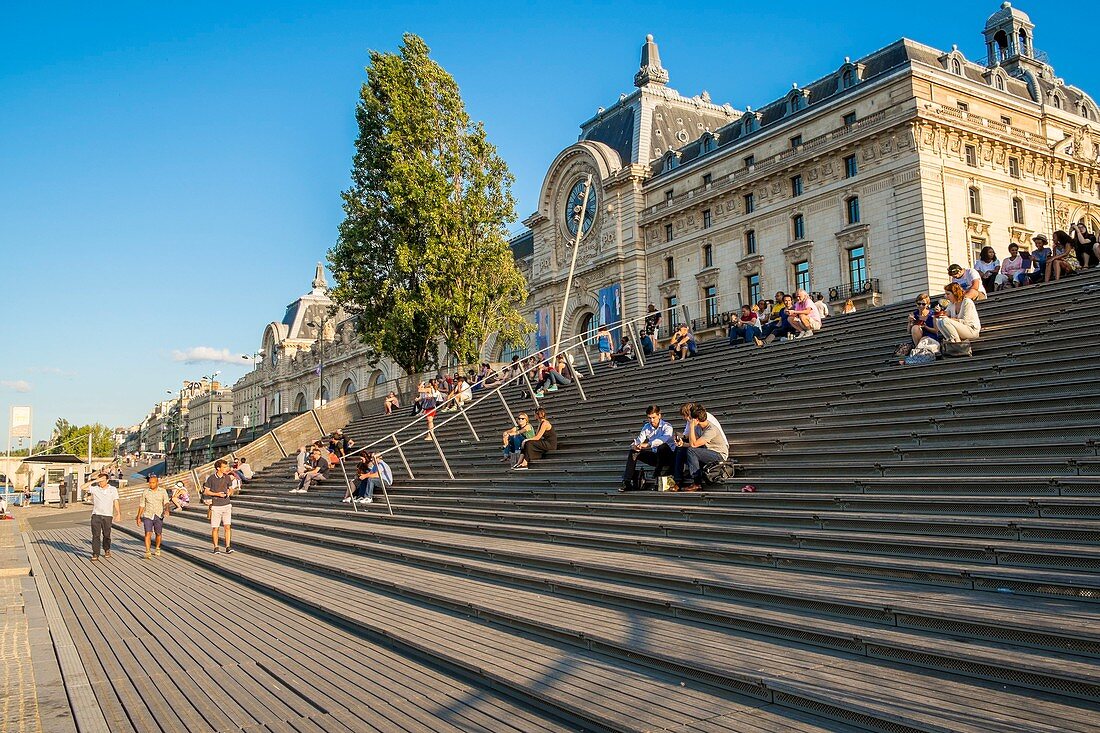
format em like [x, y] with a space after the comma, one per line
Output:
[720, 472]
[957, 348]
[903, 349]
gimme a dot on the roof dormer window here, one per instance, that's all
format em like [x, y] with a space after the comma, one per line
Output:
[671, 161]
[708, 144]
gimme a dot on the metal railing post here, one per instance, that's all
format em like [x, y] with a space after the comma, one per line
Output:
[469, 424]
[591, 369]
[577, 381]
[347, 481]
[531, 389]
[637, 344]
[500, 394]
[385, 494]
[404, 460]
[442, 457]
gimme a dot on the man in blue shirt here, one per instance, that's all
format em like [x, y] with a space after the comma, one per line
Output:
[651, 446]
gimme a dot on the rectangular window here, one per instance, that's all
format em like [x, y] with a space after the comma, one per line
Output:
[750, 160]
[851, 210]
[857, 267]
[710, 302]
[851, 168]
[707, 179]
[668, 232]
[964, 107]
[750, 203]
[668, 196]
[706, 218]
[798, 227]
[1072, 179]
[975, 201]
[971, 155]
[802, 275]
[849, 119]
[673, 312]
[708, 255]
[750, 243]
[670, 267]
[796, 186]
[1014, 167]
[796, 141]
[1006, 120]
[752, 284]
[1018, 210]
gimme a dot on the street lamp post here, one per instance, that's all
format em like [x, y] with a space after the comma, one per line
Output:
[325, 318]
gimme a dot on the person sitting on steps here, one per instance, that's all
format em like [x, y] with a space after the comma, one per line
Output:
[650, 329]
[779, 326]
[391, 403]
[702, 443]
[961, 322]
[803, 316]
[653, 446]
[683, 343]
[316, 468]
[371, 472]
[745, 328]
[921, 321]
[625, 354]
[544, 441]
[553, 376]
[514, 436]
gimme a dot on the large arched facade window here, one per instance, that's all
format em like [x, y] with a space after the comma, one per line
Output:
[300, 403]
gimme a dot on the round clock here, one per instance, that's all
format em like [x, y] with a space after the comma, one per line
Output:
[573, 207]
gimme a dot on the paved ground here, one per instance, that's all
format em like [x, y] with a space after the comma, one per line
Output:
[34, 699]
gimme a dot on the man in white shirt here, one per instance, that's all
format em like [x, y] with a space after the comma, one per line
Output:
[821, 305]
[105, 511]
[970, 280]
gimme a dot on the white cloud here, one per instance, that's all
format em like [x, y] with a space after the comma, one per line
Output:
[198, 354]
[19, 385]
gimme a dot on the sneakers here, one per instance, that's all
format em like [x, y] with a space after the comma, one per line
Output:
[106, 553]
[346, 500]
[216, 550]
[748, 489]
[519, 467]
[805, 334]
[553, 388]
[539, 393]
[157, 553]
[95, 558]
[366, 500]
[229, 551]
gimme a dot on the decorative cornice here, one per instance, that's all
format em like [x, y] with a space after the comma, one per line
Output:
[750, 264]
[799, 250]
[978, 226]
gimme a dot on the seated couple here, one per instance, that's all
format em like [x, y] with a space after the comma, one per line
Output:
[371, 473]
[683, 455]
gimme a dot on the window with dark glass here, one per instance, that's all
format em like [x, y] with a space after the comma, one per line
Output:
[1006, 120]
[849, 119]
[709, 144]
[750, 160]
[971, 155]
[796, 141]
[752, 283]
[802, 275]
[707, 179]
[668, 196]
[668, 232]
[851, 210]
[956, 67]
[1017, 210]
[750, 203]
[1014, 167]
[670, 267]
[706, 218]
[1071, 178]
[857, 266]
[846, 79]
[798, 227]
[963, 107]
[708, 255]
[796, 186]
[710, 302]
[975, 200]
[671, 303]
[851, 168]
[750, 243]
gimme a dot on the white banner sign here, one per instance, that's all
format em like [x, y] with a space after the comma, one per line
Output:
[20, 425]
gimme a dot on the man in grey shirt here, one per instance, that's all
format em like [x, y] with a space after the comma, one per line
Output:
[704, 442]
[105, 511]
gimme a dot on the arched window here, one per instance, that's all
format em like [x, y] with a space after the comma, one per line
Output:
[797, 102]
[851, 210]
[998, 82]
[588, 328]
[348, 387]
[324, 396]
[671, 161]
[1017, 210]
[1024, 51]
[847, 78]
[975, 197]
[956, 67]
[300, 403]
[710, 144]
[750, 123]
[798, 227]
[1056, 101]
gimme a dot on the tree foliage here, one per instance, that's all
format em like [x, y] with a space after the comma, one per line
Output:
[422, 256]
[69, 438]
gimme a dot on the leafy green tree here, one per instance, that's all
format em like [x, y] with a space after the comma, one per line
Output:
[69, 438]
[422, 256]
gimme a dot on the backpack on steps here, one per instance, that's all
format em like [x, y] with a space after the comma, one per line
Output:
[720, 472]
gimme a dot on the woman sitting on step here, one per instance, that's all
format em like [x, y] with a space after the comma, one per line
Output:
[961, 322]
[544, 441]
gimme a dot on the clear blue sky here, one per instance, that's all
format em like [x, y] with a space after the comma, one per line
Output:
[170, 173]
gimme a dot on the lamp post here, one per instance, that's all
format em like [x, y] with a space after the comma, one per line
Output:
[325, 318]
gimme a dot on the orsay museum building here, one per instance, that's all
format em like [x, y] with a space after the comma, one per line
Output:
[863, 184]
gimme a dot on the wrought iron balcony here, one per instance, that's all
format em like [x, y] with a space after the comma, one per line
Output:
[862, 289]
[716, 320]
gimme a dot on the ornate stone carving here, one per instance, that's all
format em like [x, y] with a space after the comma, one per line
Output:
[708, 277]
[750, 264]
[852, 236]
[798, 251]
[977, 226]
[669, 287]
[1020, 236]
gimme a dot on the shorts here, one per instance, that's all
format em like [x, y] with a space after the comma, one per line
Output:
[153, 524]
[220, 515]
[429, 412]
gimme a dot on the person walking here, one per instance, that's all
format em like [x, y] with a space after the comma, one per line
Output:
[151, 513]
[218, 487]
[105, 511]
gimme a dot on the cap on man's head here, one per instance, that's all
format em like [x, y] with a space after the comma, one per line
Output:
[954, 269]
[1039, 238]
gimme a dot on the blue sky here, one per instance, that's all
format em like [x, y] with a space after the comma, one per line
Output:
[170, 173]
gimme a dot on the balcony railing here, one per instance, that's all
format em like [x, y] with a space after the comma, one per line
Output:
[713, 320]
[862, 289]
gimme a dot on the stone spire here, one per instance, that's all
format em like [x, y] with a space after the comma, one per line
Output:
[320, 285]
[650, 73]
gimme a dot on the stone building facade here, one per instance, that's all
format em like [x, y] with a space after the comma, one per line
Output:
[865, 183]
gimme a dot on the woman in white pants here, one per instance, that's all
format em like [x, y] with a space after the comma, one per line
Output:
[961, 322]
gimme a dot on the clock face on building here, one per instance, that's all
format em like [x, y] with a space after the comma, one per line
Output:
[573, 207]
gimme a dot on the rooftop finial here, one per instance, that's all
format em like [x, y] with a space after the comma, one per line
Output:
[650, 72]
[320, 285]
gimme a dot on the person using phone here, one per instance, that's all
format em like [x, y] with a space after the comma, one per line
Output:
[652, 446]
[921, 321]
